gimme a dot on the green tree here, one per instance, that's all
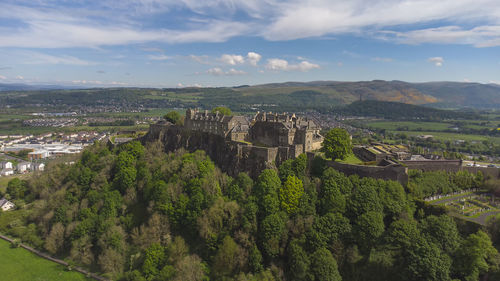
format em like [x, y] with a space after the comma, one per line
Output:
[226, 261]
[442, 231]
[368, 228]
[291, 193]
[476, 256]
[337, 144]
[16, 188]
[173, 117]
[222, 110]
[324, 266]
[153, 261]
[298, 261]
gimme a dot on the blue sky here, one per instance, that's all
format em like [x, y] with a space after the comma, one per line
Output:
[176, 43]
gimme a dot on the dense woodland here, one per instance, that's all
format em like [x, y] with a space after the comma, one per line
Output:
[137, 213]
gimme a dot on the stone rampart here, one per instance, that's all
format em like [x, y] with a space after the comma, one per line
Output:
[434, 165]
[393, 172]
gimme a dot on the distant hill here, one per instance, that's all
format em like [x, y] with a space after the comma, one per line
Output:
[436, 94]
[26, 87]
[288, 96]
[401, 111]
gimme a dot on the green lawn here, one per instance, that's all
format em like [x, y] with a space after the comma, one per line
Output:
[351, 159]
[20, 265]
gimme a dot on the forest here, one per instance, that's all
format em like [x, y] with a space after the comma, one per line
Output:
[134, 212]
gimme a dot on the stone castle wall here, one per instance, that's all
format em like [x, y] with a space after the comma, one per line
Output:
[392, 172]
[231, 156]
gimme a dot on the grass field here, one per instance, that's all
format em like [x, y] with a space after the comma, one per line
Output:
[20, 265]
[409, 125]
[351, 159]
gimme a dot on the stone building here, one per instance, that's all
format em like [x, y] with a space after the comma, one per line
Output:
[271, 129]
[231, 127]
[266, 129]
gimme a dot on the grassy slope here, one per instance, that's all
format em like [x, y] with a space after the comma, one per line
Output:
[20, 265]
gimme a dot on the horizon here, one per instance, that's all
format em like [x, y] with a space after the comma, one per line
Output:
[167, 44]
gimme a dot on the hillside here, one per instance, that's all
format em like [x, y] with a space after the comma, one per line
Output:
[135, 213]
[400, 111]
[289, 96]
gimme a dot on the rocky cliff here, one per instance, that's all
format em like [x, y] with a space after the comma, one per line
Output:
[232, 157]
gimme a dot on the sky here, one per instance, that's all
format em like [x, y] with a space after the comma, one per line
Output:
[184, 43]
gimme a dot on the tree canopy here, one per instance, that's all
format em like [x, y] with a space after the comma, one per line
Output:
[222, 110]
[337, 144]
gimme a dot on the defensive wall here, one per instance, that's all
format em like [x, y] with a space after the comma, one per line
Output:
[231, 156]
[450, 166]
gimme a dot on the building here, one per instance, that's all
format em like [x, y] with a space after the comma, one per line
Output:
[266, 129]
[285, 130]
[6, 205]
[38, 154]
[6, 165]
[38, 166]
[6, 172]
[231, 127]
[23, 167]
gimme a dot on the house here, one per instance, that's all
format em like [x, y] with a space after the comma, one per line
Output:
[38, 166]
[6, 205]
[23, 167]
[6, 172]
[6, 165]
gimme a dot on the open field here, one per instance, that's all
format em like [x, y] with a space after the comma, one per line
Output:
[20, 265]
[450, 136]
[409, 125]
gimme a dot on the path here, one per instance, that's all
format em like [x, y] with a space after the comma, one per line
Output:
[481, 219]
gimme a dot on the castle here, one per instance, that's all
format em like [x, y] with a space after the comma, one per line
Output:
[265, 129]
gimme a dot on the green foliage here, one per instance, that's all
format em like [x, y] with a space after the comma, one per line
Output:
[324, 266]
[337, 144]
[425, 184]
[476, 256]
[17, 188]
[290, 194]
[138, 213]
[173, 117]
[222, 110]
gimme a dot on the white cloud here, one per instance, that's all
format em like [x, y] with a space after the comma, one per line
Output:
[253, 58]
[159, 57]
[19, 77]
[41, 58]
[98, 82]
[217, 71]
[199, 59]
[283, 65]
[3, 77]
[233, 71]
[45, 24]
[232, 59]
[379, 59]
[481, 36]
[437, 61]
